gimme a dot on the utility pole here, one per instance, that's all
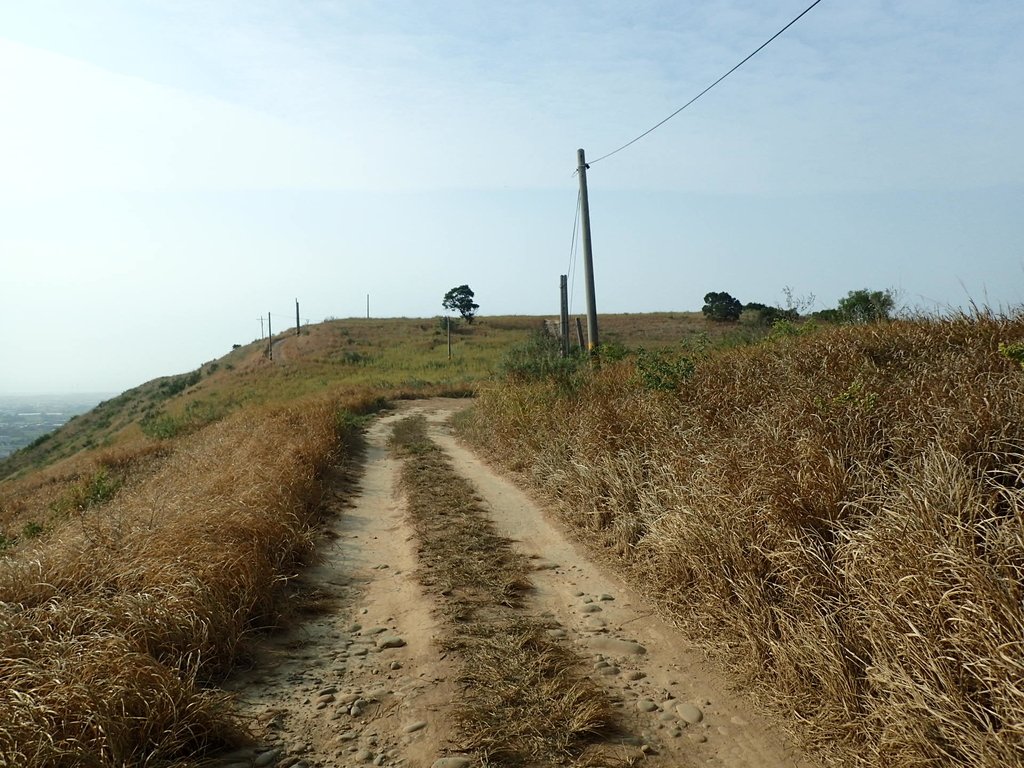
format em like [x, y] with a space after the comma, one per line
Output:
[367, 306]
[563, 326]
[588, 255]
[297, 326]
[448, 324]
[261, 327]
[270, 339]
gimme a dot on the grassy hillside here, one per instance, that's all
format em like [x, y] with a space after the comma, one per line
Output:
[844, 509]
[142, 543]
[841, 507]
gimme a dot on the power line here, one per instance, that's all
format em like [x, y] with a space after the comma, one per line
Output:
[571, 271]
[691, 101]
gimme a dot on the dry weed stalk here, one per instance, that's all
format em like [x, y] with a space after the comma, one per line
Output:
[843, 510]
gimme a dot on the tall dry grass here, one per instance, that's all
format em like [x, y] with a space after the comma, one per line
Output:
[840, 512]
[113, 627]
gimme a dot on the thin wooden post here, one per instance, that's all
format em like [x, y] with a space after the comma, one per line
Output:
[298, 328]
[270, 339]
[579, 334]
[448, 324]
[563, 327]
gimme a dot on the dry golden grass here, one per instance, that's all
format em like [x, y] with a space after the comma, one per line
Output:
[526, 700]
[112, 626]
[42, 501]
[143, 541]
[842, 510]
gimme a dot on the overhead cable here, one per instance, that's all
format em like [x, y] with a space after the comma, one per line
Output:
[573, 248]
[691, 101]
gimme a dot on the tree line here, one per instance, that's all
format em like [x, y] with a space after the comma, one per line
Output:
[859, 306]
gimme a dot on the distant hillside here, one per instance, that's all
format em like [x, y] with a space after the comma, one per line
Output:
[402, 356]
[26, 418]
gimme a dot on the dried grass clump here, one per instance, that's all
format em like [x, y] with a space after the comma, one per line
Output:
[88, 479]
[843, 511]
[113, 625]
[526, 700]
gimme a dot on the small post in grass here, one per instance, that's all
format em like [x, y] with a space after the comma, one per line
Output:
[564, 317]
[448, 325]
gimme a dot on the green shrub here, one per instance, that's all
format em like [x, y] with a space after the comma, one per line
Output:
[175, 385]
[540, 358]
[40, 440]
[198, 413]
[1014, 352]
[660, 371]
[88, 493]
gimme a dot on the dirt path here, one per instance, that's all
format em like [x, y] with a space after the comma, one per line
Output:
[361, 682]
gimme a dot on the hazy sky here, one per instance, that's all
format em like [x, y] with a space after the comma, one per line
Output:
[172, 169]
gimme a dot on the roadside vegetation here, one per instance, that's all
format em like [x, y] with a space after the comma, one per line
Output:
[840, 504]
[115, 626]
[843, 506]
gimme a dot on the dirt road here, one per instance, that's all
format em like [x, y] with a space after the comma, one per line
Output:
[360, 681]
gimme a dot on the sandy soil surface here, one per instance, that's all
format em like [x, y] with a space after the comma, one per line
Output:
[360, 680]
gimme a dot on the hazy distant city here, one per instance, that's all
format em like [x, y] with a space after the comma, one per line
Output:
[23, 418]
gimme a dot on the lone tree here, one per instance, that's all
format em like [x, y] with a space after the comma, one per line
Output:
[460, 299]
[722, 307]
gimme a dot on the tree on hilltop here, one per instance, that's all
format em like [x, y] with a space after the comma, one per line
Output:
[460, 299]
[721, 307]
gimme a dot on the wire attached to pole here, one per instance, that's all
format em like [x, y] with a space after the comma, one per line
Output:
[691, 101]
[573, 249]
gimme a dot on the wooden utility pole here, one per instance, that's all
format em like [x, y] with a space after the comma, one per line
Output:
[448, 323]
[270, 339]
[588, 255]
[261, 327]
[297, 326]
[563, 326]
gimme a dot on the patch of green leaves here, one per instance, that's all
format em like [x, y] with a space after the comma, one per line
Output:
[1013, 351]
[199, 413]
[540, 359]
[661, 371]
[88, 493]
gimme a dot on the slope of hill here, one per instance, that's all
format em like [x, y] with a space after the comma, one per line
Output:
[842, 508]
[121, 595]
